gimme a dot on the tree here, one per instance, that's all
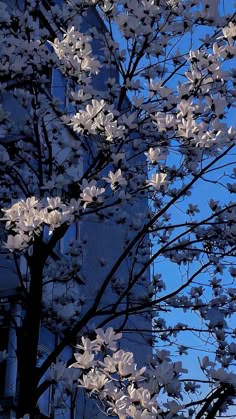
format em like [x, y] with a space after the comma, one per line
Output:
[94, 126]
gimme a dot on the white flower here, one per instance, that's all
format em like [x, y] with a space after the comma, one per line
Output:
[158, 181]
[223, 376]
[115, 179]
[96, 119]
[117, 157]
[80, 96]
[57, 371]
[192, 209]
[30, 203]
[216, 317]
[120, 405]
[107, 124]
[135, 413]
[138, 101]
[141, 395]
[126, 365]
[194, 76]
[187, 127]
[185, 106]
[87, 344]
[84, 361]
[109, 364]
[12, 214]
[17, 242]
[29, 221]
[154, 155]
[108, 338]
[164, 372]
[53, 218]
[164, 121]
[229, 32]
[213, 204]
[75, 53]
[94, 380]
[91, 195]
[54, 203]
[205, 363]
[56, 218]
[173, 387]
[82, 123]
[159, 88]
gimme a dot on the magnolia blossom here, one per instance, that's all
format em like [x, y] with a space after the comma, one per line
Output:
[216, 318]
[115, 179]
[108, 338]
[229, 32]
[94, 380]
[87, 344]
[119, 384]
[56, 218]
[133, 412]
[205, 363]
[158, 181]
[54, 203]
[126, 366]
[84, 361]
[141, 395]
[155, 154]
[164, 372]
[27, 217]
[96, 119]
[159, 88]
[223, 376]
[17, 242]
[91, 195]
[136, 397]
[75, 53]
[57, 371]
[164, 122]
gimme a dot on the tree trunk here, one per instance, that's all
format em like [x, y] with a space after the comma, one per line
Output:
[29, 337]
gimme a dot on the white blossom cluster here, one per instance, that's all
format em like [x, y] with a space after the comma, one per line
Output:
[114, 378]
[75, 54]
[124, 390]
[96, 119]
[26, 218]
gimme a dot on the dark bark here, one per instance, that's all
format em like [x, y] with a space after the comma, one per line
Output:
[216, 399]
[29, 337]
[229, 391]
